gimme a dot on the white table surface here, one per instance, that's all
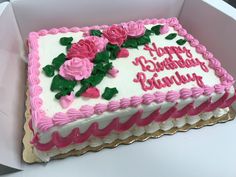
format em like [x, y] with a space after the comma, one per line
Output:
[206, 152]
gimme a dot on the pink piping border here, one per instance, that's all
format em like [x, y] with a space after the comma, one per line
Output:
[44, 123]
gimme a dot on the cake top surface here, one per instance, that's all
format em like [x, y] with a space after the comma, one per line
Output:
[86, 71]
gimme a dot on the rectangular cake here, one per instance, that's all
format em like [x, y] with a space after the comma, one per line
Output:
[95, 85]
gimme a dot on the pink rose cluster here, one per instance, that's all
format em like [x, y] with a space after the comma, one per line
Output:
[87, 48]
[118, 34]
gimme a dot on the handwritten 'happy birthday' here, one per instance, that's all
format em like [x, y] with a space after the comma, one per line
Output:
[169, 63]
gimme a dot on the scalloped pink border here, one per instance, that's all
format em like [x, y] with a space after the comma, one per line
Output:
[44, 123]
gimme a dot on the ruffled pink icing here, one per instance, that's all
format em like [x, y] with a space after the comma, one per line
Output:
[208, 90]
[65, 101]
[207, 55]
[87, 110]
[219, 88]
[200, 48]
[159, 97]
[194, 42]
[134, 29]
[185, 93]
[135, 101]
[182, 32]
[172, 96]
[124, 103]
[76, 69]
[196, 92]
[100, 42]
[113, 105]
[74, 114]
[123, 53]
[148, 98]
[100, 108]
[164, 29]
[113, 72]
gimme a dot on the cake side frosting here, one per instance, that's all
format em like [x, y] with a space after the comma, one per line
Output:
[99, 117]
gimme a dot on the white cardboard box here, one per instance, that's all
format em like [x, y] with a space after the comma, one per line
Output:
[210, 151]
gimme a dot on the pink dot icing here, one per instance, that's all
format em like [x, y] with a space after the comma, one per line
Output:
[164, 29]
[113, 72]
[65, 101]
[123, 53]
[200, 49]
[60, 118]
[194, 42]
[189, 37]
[207, 55]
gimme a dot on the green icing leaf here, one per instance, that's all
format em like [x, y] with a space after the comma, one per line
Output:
[82, 89]
[62, 93]
[171, 36]
[68, 47]
[181, 41]
[102, 57]
[156, 29]
[66, 40]
[143, 40]
[109, 93]
[49, 70]
[95, 79]
[95, 33]
[114, 50]
[58, 61]
[147, 32]
[102, 68]
[61, 84]
[130, 43]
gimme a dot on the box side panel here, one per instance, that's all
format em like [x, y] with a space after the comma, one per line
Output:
[213, 28]
[85, 13]
[12, 82]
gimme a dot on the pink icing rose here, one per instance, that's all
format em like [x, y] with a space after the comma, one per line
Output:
[76, 69]
[83, 49]
[100, 42]
[123, 53]
[164, 29]
[115, 34]
[134, 29]
[91, 92]
[113, 72]
[65, 101]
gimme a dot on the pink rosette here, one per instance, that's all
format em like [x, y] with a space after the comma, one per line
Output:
[83, 49]
[134, 29]
[76, 69]
[115, 34]
[100, 42]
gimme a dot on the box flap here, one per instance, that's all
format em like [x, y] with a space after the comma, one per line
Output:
[12, 88]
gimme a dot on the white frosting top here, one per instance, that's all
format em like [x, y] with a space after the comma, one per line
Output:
[49, 48]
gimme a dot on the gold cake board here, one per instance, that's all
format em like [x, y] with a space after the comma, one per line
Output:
[29, 156]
